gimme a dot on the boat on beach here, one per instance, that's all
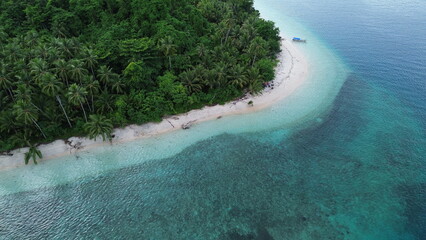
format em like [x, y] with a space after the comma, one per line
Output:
[296, 39]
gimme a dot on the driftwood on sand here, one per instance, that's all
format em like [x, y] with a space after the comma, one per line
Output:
[76, 146]
[188, 125]
[7, 153]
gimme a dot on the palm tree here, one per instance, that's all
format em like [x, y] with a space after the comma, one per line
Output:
[20, 139]
[99, 125]
[38, 67]
[66, 46]
[247, 32]
[77, 71]
[33, 153]
[24, 92]
[4, 98]
[220, 71]
[31, 38]
[24, 78]
[27, 113]
[5, 80]
[202, 52]
[59, 30]
[19, 65]
[254, 80]
[238, 77]
[168, 48]
[73, 44]
[3, 38]
[13, 51]
[191, 83]
[118, 86]
[257, 48]
[105, 74]
[44, 51]
[200, 74]
[62, 69]
[76, 95]
[103, 102]
[229, 22]
[7, 121]
[89, 59]
[92, 87]
[51, 86]
[59, 45]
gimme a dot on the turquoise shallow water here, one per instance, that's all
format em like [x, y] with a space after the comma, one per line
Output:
[344, 158]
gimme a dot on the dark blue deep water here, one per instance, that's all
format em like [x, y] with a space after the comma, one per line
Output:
[358, 174]
[383, 41]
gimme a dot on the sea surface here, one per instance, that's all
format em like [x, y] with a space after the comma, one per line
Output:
[343, 158]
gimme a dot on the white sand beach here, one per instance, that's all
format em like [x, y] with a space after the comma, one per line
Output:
[290, 74]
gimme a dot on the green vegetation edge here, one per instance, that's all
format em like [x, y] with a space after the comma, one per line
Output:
[81, 67]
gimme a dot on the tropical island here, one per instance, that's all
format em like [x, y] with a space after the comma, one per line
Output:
[81, 68]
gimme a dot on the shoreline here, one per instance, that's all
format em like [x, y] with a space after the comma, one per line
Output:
[291, 72]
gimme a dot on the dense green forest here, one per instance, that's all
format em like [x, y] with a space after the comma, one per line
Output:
[80, 67]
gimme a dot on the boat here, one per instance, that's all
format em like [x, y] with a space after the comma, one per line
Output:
[296, 39]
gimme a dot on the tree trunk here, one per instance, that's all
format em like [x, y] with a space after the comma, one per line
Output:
[11, 94]
[227, 34]
[38, 108]
[66, 81]
[88, 104]
[93, 106]
[93, 72]
[84, 112]
[63, 109]
[39, 128]
[254, 60]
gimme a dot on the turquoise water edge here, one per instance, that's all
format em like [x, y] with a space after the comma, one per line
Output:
[342, 158]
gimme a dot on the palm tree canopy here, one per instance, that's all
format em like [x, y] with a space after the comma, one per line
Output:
[238, 78]
[98, 126]
[38, 67]
[25, 112]
[91, 85]
[50, 85]
[191, 83]
[76, 94]
[23, 92]
[5, 80]
[166, 46]
[77, 70]
[62, 68]
[105, 74]
[33, 153]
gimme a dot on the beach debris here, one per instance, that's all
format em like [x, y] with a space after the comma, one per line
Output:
[74, 145]
[78, 145]
[170, 123]
[188, 125]
[7, 153]
[219, 117]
